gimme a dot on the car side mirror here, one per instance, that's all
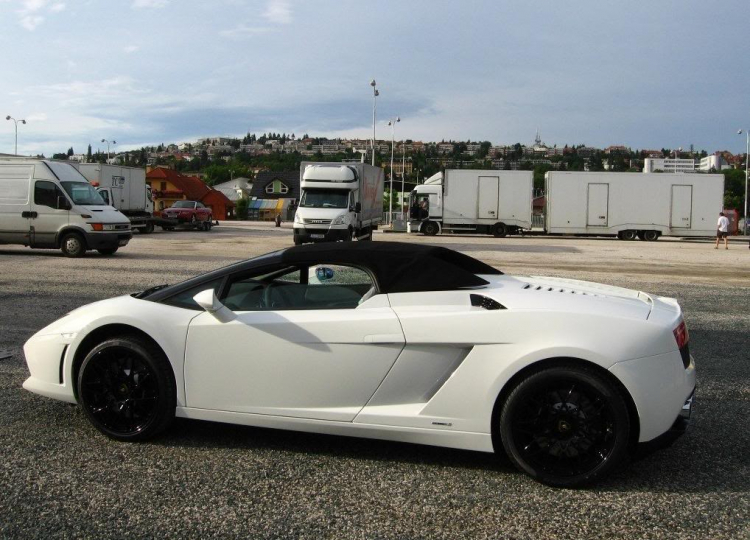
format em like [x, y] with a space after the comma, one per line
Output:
[208, 301]
[358, 207]
[62, 203]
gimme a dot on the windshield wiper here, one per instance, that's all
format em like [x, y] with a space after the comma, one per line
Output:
[147, 292]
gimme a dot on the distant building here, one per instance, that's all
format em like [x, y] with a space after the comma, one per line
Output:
[714, 162]
[236, 189]
[168, 186]
[274, 193]
[668, 165]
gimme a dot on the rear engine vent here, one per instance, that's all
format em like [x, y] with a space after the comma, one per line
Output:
[547, 288]
[484, 302]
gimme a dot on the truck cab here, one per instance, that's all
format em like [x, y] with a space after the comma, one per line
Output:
[426, 207]
[338, 202]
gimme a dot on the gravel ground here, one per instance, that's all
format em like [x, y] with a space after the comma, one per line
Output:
[59, 478]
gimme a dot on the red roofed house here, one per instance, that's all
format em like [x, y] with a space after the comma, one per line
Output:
[168, 186]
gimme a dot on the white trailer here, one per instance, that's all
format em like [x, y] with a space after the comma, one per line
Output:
[474, 201]
[633, 205]
[338, 201]
[124, 188]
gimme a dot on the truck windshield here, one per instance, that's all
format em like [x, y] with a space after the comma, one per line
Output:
[83, 193]
[324, 198]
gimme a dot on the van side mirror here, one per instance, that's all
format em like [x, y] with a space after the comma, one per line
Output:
[62, 203]
[208, 301]
[358, 207]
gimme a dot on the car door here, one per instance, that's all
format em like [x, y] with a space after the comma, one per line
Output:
[307, 342]
[47, 218]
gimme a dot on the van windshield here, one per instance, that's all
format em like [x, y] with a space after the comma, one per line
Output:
[83, 193]
[324, 198]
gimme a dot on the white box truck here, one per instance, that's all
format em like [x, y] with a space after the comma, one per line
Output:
[338, 201]
[633, 205]
[124, 188]
[474, 201]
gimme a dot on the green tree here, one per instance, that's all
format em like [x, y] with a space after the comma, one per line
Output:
[88, 155]
[241, 208]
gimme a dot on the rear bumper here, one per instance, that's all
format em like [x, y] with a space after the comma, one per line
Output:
[678, 429]
[107, 240]
[304, 234]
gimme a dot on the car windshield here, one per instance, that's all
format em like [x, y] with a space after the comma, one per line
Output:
[83, 193]
[324, 198]
[183, 204]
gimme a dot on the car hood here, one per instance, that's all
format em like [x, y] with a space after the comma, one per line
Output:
[105, 214]
[559, 294]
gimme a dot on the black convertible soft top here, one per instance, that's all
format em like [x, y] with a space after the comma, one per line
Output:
[399, 267]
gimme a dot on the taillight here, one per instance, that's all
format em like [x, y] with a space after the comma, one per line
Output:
[681, 335]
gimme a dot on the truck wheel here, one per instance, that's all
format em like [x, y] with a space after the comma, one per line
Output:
[651, 236]
[628, 235]
[149, 228]
[73, 245]
[500, 230]
[641, 235]
[107, 251]
[430, 228]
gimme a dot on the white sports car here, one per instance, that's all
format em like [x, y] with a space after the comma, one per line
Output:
[384, 340]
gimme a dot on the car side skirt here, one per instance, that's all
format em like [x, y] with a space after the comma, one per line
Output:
[481, 442]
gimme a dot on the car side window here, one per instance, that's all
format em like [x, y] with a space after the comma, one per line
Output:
[46, 193]
[300, 288]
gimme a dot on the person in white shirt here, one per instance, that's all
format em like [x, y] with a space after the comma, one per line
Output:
[722, 231]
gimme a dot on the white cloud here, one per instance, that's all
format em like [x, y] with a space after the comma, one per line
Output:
[57, 7]
[278, 12]
[138, 4]
[130, 48]
[244, 30]
[30, 22]
[31, 12]
[36, 117]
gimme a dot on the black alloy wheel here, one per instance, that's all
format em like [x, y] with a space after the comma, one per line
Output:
[565, 426]
[127, 389]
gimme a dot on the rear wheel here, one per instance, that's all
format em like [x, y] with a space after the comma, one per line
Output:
[500, 230]
[430, 228]
[73, 245]
[149, 228]
[628, 235]
[565, 426]
[126, 388]
[651, 236]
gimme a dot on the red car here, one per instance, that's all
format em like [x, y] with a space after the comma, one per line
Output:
[191, 213]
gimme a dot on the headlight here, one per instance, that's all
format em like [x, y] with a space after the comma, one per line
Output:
[298, 219]
[339, 220]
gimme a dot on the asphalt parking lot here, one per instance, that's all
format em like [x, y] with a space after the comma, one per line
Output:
[59, 478]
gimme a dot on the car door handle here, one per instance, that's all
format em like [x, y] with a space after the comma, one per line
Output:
[384, 338]
[29, 214]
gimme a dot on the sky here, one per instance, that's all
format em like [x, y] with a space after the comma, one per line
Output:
[645, 74]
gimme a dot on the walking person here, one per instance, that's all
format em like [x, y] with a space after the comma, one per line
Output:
[722, 231]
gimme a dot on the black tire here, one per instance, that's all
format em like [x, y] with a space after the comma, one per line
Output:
[73, 245]
[194, 223]
[651, 236]
[628, 235]
[430, 228]
[108, 251]
[565, 426]
[500, 230]
[126, 389]
[297, 241]
[149, 228]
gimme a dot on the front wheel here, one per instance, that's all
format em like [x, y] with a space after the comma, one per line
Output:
[565, 426]
[430, 228]
[500, 230]
[73, 245]
[126, 388]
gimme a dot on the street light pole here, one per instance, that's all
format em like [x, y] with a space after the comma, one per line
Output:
[375, 94]
[391, 123]
[747, 151]
[113, 143]
[9, 117]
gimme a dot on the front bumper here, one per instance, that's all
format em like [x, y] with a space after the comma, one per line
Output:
[304, 234]
[107, 240]
[46, 359]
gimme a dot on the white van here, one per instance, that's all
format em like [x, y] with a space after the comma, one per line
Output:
[49, 204]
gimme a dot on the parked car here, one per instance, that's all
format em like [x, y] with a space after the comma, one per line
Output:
[388, 341]
[192, 213]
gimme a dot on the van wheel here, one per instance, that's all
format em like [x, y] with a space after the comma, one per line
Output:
[628, 235]
[650, 236]
[500, 230]
[107, 251]
[430, 228]
[149, 228]
[73, 245]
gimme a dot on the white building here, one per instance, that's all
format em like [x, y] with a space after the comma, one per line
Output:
[713, 162]
[668, 165]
